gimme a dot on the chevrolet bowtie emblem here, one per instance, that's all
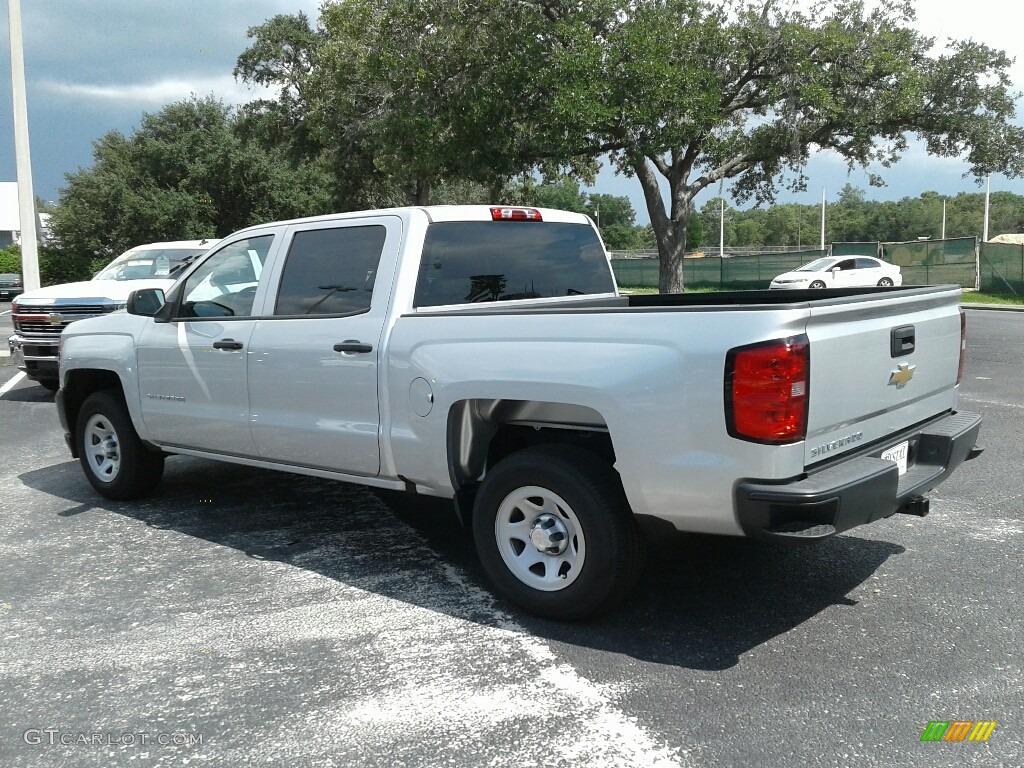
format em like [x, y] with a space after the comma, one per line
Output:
[54, 318]
[902, 375]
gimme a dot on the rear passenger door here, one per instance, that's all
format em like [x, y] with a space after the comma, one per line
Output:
[314, 356]
[868, 272]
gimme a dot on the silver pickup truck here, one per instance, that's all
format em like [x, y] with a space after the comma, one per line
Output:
[484, 354]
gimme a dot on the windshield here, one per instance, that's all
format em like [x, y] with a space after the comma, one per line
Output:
[818, 265]
[142, 263]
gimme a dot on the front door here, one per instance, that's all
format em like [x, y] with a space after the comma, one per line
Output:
[314, 358]
[192, 370]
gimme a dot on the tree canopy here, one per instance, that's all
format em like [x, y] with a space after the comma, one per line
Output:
[853, 218]
[185, 174]
[403, 96]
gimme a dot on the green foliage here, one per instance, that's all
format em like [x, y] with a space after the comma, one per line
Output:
[10, 260]
[611, 211]
[55, 266]
[187, 173]
[694, 231]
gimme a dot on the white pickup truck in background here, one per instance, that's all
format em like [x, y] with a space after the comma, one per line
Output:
[41, 315]
[484, 354]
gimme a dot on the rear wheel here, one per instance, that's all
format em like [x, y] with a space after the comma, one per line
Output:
[555, 534]
[817, 284]
[115, 460]
[885, 282]
[51, 384]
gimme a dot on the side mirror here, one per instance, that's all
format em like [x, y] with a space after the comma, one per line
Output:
[145, 302]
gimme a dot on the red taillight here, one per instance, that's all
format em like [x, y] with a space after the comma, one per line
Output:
[515, 214]
[963, 346]
[766, 391]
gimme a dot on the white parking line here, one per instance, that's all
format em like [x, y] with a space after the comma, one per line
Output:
[12, 383]
[5, 312]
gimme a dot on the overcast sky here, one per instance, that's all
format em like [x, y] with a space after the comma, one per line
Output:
[97, 65]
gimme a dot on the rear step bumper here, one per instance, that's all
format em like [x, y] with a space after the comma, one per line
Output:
[860, 490]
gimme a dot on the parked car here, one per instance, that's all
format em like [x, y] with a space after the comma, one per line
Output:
[10, 286]
[841, 272]
[40, 316]
[483, 354]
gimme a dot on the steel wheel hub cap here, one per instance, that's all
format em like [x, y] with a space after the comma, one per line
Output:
[102, 448]
[549, 534]
[540, 538]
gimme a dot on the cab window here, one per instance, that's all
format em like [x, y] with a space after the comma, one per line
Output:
[225, 284]
[330, 271]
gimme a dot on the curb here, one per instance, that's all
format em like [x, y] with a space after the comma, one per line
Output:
[996, 307]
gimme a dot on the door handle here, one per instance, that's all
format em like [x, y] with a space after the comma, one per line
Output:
[353, 345]
[227, 344]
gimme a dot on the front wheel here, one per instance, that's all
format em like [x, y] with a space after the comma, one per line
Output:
[116, 462]
[555, 534]
[817, 284]
[885, 282]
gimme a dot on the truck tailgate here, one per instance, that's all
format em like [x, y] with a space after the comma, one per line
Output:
[878, 367]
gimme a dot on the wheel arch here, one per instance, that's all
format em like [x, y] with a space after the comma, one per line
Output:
[481, 432]
[78, 385]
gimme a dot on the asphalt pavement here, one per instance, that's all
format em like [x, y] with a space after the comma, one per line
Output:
[239, 617]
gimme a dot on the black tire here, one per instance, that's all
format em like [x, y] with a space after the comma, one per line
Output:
[571, 494]
[114, 459]
[886, 282]
[817, 284]
[51, 384]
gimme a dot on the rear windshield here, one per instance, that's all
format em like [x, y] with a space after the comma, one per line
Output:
[471, 261]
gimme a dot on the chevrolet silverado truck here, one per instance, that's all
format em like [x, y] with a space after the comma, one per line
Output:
[39, 316]
[484, 355]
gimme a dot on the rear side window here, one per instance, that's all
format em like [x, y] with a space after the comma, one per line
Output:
[330, 271]
[471, 261]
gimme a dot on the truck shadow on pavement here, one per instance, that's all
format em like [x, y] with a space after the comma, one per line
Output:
[702, 602]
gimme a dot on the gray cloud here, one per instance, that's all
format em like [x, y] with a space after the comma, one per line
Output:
[93, 66]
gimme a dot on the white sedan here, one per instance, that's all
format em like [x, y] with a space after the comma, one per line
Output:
[841, 272]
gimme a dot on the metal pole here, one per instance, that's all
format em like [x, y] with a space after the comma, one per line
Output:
[943, 220]
[984, 232]
[721, 218]
[822, 220]
[26, 197]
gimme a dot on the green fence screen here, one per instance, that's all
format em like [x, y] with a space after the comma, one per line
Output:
[731, 273]
[935, 262]
[868, 248]
[1001, 268]
[922, 262]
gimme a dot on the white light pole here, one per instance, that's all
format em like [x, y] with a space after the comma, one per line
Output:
[984, 232]
[943, 220]
[721, 219]
[822, 219]
[26, 197]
